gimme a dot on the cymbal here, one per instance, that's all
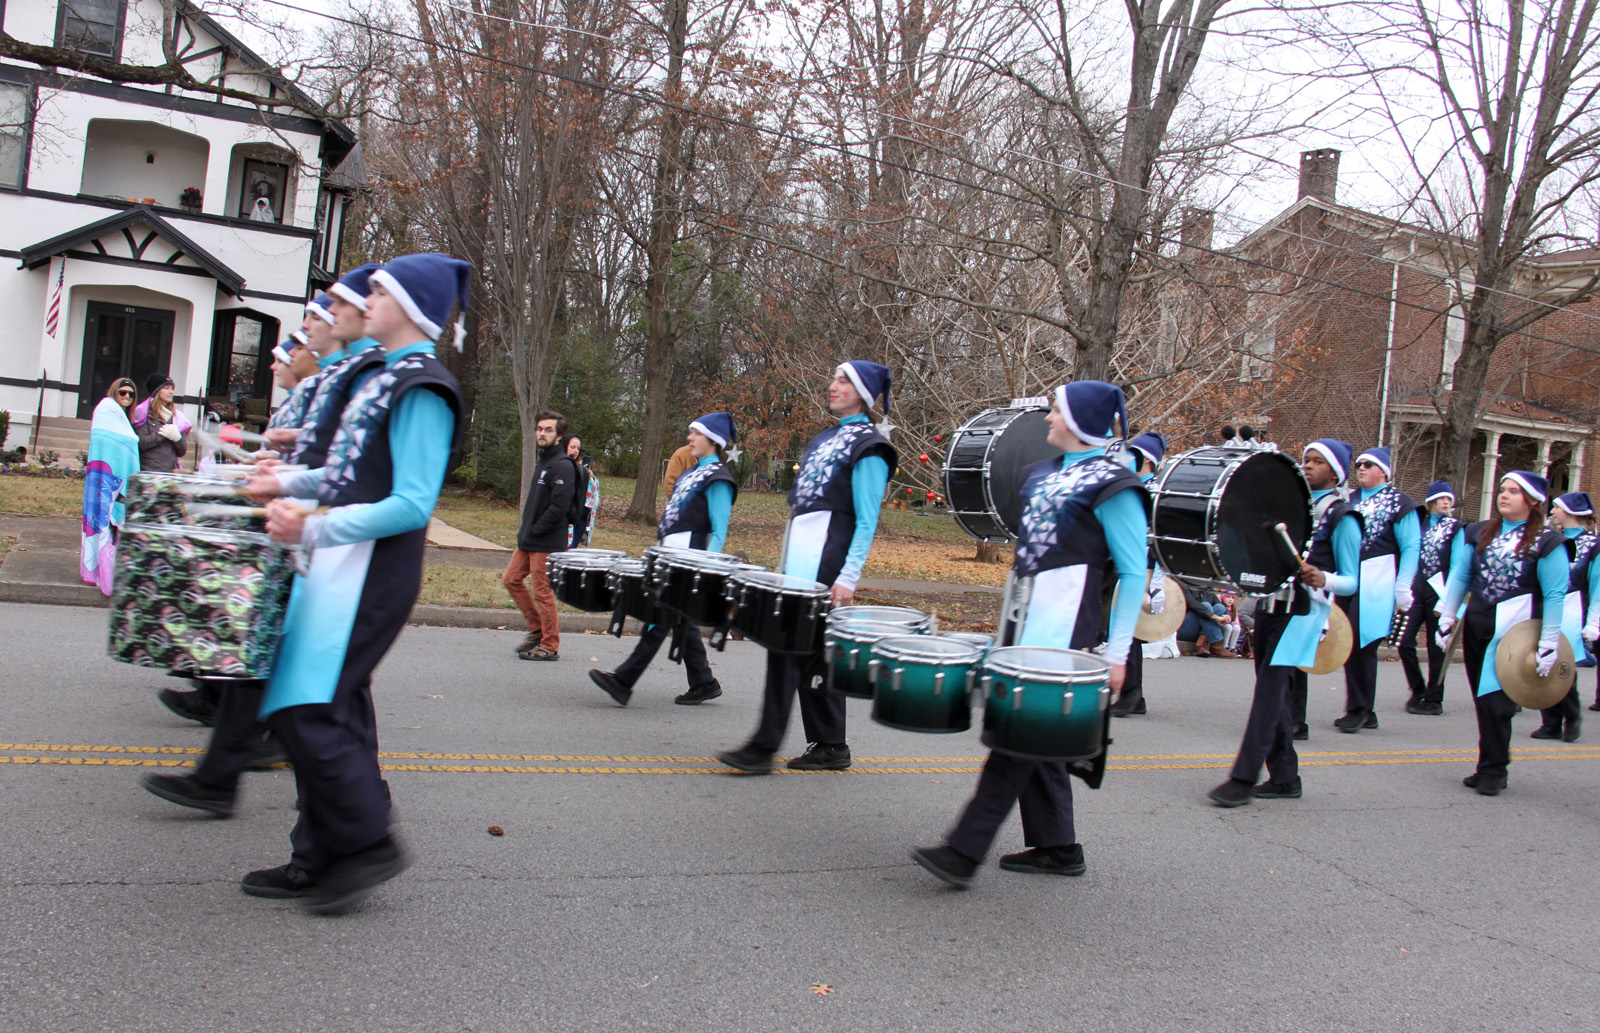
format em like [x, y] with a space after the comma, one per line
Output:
[1334, 649]
[1516, 663]
[1153, 627]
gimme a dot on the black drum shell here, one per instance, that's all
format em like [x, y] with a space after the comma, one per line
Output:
[583, 586]
[699, 592]
[628, 592]
[790, 623]
[983, 469]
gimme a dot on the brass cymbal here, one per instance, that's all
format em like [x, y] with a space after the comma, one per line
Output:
[1334, 649]
[1153, 627]
[1516, 662]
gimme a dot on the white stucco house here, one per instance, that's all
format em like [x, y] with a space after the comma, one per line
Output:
[146, 229]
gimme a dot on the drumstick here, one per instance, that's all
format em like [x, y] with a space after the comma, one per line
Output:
[212, 510]
[1282, 531]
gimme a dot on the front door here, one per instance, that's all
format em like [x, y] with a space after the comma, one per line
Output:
[121, 341]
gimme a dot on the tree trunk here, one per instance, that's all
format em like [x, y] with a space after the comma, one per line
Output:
[995, 552]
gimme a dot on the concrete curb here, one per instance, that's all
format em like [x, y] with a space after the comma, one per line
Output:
[51, 594]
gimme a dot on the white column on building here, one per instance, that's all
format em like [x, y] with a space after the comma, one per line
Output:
[1575, 468]
[1544, 456]
[1491, 454]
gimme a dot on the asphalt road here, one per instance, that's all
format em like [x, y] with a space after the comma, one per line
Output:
[639, 888]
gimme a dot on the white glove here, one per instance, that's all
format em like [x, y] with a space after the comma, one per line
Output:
[169, 432]
[1403, 599]
[1548, 654]
[1447, 624]
[1591, 633]
[1155, 600]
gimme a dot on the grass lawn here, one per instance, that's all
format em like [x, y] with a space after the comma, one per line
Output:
[40, 496]
[6, 542]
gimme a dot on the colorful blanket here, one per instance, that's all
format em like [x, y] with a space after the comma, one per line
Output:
[113, 458]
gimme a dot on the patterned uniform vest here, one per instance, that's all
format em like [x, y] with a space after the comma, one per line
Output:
[326, 409]
[1321, 553]
[1585, 548]
[1435, 552]
[687, 509]
[360, 466]
[1499, 572]
[1378, 515]
[823, 485]
[292, 413]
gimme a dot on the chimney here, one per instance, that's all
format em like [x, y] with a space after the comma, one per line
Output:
[1319, 174]
[1195, 226]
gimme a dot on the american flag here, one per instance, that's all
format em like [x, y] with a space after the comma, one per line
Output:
[52, 318]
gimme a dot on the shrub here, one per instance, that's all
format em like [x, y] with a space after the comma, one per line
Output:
[5, 426]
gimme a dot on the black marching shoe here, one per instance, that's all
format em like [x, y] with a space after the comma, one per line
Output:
[280, 883]
[1302, 732]
[821, 758]
[1425, 708]
[1490, 786]
[191, 706]
[1125, 707]
[749, 758]
[268, 754]
[1573, 730]
[1371, 720]
[1595, 705]
[351, 879]
[1289, 790]
[947, 864]
[698, 694]
[1047, 860]
[1351, 723]
[1546, 732]
[612, 685]
[184, 791]
[1235, 792]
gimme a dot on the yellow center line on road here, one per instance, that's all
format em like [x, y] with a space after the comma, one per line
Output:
[575, 764]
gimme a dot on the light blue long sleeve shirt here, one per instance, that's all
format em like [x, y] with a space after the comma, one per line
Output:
[869, 478]
[361, 344]
[1552, 571]
[719, 507]
[1346, 552]
[421, 429]
[1593, 616]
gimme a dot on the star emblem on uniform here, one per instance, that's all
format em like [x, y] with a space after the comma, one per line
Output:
[886, 428]
[734, 453]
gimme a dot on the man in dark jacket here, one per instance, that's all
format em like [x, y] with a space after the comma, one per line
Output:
[543, 531]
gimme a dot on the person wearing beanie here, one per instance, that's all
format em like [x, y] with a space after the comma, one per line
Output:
[1390, 542]
[1433, 564]
[1573, 515]
[346, 357]
[376, 492]
[1289, 626]
[1082, 514]
[292, 364]
[163, 430]
[1146, 451]
[835, 500]
[1585, 574]
[1515, 568]
[696, 517]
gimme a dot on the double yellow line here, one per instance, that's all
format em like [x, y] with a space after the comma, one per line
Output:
[628, 764]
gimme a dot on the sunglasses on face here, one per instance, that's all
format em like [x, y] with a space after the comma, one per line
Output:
[1366, 466]
[128, 391]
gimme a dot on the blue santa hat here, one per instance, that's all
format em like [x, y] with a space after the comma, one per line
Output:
[1336, 452]
[355, 285]
[1532, 485]
[870, 380]
[321, 306]
[428, 286]
[1440, 490]
[718, 426]
[1150, 445]
[1577, 503]
[281, 353]
[1093, 409]
[1378, 454]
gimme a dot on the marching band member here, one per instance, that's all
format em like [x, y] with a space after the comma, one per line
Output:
[1433, 565]
[1146, 450]
[347, 356]
[1569, 514]
[385, 467]
[1586, 575]
[1081, 513]
[1389, 545]
[696, 517]
[1289, 626]
[835, 502]
[1336, 455]
[1516, 569]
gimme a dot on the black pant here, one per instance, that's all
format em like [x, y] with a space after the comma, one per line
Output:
[695, 664]
[1422, 617]
[821, 711]
[1269, 733]
[1133, 678]
[236, 734]
[1042, 788]
[1568, 712]
[1361, 676]
[1299, 693]
[1495, 710]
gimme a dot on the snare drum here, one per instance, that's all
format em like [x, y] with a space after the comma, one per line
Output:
[1215, 510]
[160, 498]
[916, 621]
[983, 469]
[1045, 704]
[582, 582]
[848, 653]
[971, 638]
[783, 614]
[694, 584]
[923, 683]
[198, 600]
[628, 595]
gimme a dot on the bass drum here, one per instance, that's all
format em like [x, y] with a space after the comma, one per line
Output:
[1216, 512]
[983, 469]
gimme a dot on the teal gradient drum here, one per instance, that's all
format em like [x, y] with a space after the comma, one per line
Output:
[848, 651]
[923, 683]
[973, 638]
[1045, 704]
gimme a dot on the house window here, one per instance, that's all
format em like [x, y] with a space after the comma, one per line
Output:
[15, 122]
[262, 191]
[1260, 340]
[92, 26]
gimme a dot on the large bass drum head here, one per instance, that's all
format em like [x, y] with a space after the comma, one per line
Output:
[983, 471]
[1264, 490]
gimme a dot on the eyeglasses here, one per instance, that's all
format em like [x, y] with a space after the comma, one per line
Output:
[1364, 465]
[124, 392]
